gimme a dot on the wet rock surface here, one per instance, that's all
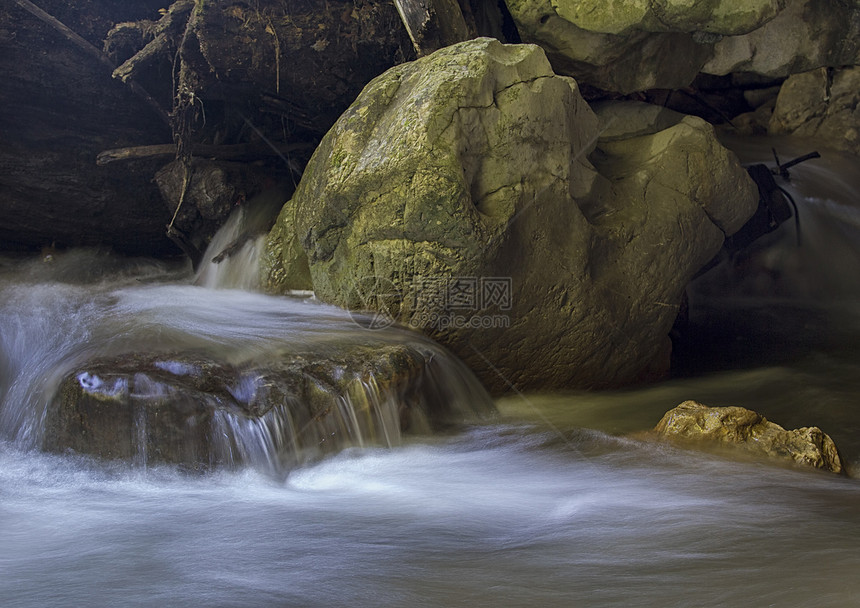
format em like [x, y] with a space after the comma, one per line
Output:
[695, 424]
[199, 411]
[474, 195]
[823, 104]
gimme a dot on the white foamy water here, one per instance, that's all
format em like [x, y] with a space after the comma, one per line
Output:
[49, 328]
[500, 516]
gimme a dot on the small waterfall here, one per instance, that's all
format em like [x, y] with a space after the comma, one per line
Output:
[268, 442]
[824, 263]
[272, 412]
[232, 259]
[362, 416]
[43, 330]
[140, 454]
[127, 363]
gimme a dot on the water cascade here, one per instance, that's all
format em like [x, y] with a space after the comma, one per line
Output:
[316, 496]
[134, 363]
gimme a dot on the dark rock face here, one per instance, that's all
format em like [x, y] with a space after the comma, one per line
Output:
[300, 60]
[227, 73]
[196, 411]
[203, 199]
[60, 109]
[92, 19]
[746, 430]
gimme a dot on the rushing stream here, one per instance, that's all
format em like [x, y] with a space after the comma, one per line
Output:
[557, 502]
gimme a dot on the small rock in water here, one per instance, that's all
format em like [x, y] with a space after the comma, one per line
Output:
[693, 422]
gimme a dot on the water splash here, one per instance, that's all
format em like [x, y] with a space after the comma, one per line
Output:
[232, 259]
[44, 330]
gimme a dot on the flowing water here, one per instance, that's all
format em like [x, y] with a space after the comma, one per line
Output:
[554, 503]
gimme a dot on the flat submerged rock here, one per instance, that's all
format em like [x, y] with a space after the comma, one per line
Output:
[277, 411]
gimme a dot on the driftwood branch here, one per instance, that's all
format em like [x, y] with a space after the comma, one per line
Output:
[230, 152]
[432, 24]
[69, 34]
[782, 168]
[166, 28]
[152, 50]
[234, 247]
[185, 244]
[90, 50]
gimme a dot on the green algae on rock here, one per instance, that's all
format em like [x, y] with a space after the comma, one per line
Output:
[470, 169]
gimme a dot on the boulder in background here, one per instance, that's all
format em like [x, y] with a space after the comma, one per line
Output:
[823, 104]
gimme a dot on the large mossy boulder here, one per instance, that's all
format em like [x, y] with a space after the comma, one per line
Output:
[805, 35]
[457, 195]
[726, 17]
[739, 428]
[200, 411]
[633, 45]
[615, 57]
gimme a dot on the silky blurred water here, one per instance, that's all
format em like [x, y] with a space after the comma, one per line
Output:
[497, 516]
[558, 502]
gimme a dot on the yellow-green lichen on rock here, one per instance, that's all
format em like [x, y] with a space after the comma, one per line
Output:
[633, 59]
[607, 17]
[284, 263]
[634, 45]
[725, 17]
[470, 170]
[806, 34]
[722, 17]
